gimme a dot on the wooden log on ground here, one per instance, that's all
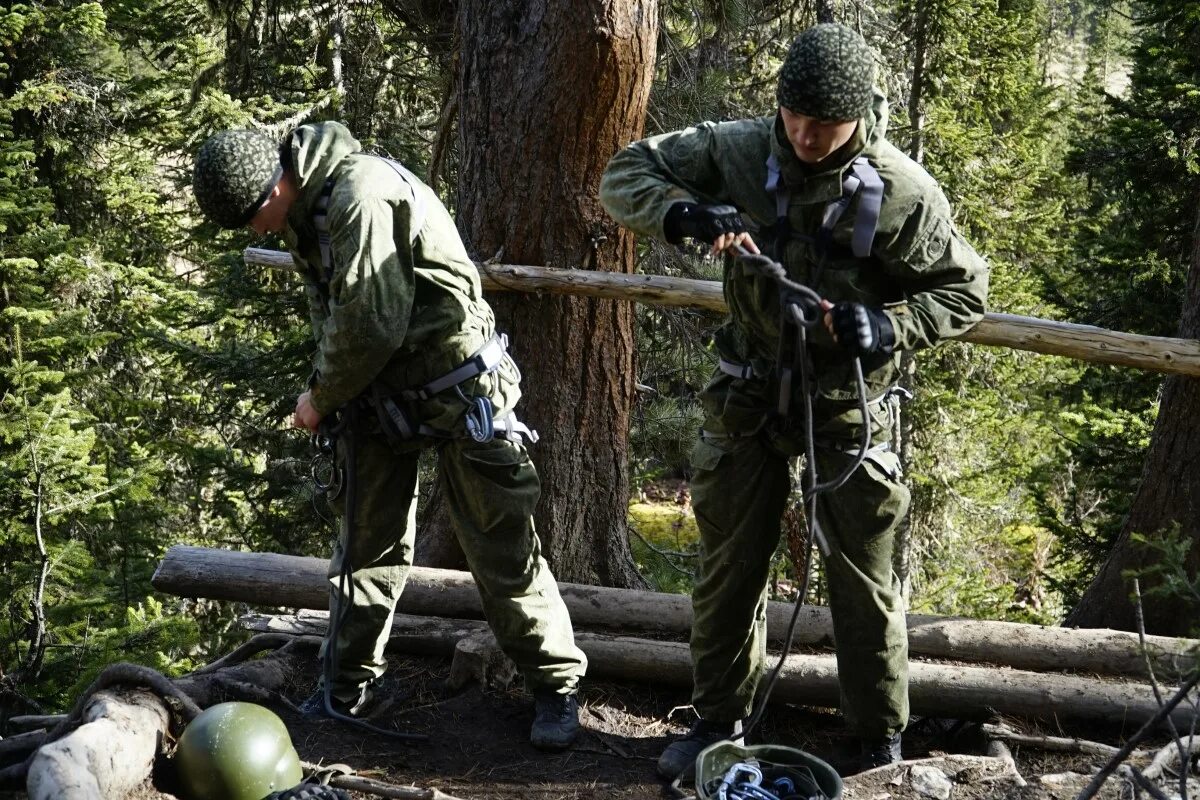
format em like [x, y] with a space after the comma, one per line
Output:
[300, 582]
[108, 756]
[113, 751]
[1082, 342]
[937, 690]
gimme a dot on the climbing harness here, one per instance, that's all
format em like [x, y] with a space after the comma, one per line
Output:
[860, 176]
[479, 418]
[398, 425]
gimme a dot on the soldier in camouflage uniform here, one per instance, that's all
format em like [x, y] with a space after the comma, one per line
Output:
[905, 283]
[406, 342]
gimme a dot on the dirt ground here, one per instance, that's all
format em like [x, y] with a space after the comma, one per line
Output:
[478, 746]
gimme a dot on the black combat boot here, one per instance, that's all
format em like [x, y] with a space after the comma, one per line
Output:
[681, 754]
[371, 700]
[555, 720]
[880, 752]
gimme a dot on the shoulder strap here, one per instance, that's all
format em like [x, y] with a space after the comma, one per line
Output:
[869, 204]
[321, 214]
[860, 177]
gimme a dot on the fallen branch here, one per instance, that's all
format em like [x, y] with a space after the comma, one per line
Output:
[30, 722]
[358, 784]
[1163, 713]
[1167, 757]
[17, 748]
[1052, 743]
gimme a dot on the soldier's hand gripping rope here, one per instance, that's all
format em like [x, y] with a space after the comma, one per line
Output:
[803, 309]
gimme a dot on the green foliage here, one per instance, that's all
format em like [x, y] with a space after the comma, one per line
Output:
[666, 542]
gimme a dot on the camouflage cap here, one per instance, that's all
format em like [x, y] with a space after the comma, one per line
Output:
[829, 73]
[234, 173]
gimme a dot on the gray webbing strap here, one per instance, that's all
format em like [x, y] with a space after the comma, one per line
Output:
[486, 359]
[510, 428]
[861, 176]
[402, 429]
[733, 369]
[869, 204]
[776, 187]
[417, 209]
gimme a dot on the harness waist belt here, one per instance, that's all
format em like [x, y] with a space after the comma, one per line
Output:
[485, 360]
[399, 428]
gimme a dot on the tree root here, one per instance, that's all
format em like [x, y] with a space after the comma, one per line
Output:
[279, 642]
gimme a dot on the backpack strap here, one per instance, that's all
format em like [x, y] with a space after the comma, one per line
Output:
[417, 212]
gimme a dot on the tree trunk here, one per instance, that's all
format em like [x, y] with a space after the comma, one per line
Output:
[1168, 501]
[916, 115]
[548, 91]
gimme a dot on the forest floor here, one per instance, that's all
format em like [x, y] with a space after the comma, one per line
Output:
[478, 746]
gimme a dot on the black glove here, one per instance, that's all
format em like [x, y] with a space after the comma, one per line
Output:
[702, 223]
[862, 330]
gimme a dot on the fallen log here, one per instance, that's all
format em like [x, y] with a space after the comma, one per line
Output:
[937, 690]
[300, 582]
[1082, 342]
[110, 755]
[112, 751]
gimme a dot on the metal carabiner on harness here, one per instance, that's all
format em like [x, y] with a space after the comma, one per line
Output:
[478, 418]
[327, 477]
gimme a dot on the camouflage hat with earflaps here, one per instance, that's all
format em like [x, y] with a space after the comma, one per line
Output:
[828, 74]
[235, 172]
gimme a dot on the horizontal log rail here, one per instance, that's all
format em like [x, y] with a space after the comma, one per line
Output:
[1080, 342]
[275, 579]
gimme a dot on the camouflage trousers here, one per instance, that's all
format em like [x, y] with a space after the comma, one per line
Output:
[490, 490]
[740, 492]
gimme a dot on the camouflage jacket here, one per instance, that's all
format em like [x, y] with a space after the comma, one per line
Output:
[404, 304]
[930, 282]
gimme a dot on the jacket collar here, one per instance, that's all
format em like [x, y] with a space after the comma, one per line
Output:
[823, 184]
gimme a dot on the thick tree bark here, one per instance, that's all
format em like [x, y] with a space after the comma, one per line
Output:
[548, 91]
[1168, 501]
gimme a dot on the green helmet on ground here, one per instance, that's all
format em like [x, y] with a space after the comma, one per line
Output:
[235, 172]
[778, 769]
[236, 751]
[829, 74]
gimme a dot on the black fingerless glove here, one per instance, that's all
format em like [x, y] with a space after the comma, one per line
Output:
[700, 222]
[862, 330]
